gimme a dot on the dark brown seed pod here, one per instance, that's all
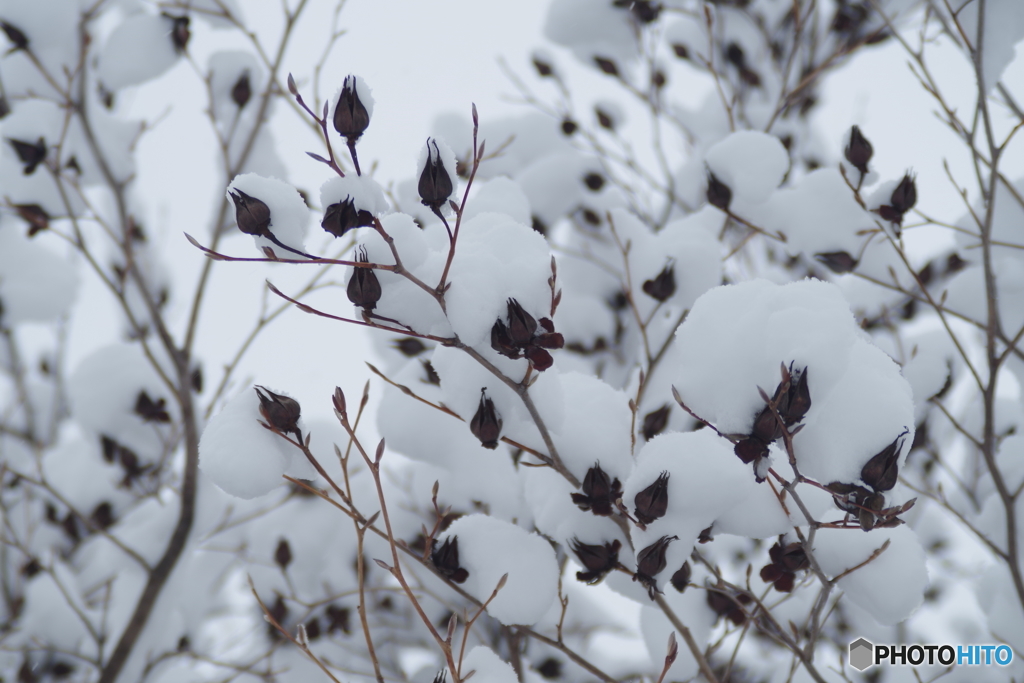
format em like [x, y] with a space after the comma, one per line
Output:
[363, 287]
[280, 412]
[681, 578]
[14, 34]
[283, 554]
[521, 325]
[31, 154]
[343, 216]
[150, 410]
[36, 217]
[599, 492]
[351, 118]
[652, 502]
[409, 346]
[241, 92]
[651, 561]
[655, 422]
[486, 423]
[881, 471]
[251, 214]
[719, 194]
[607, 66]
[858, 150]
[180, 33]
[598, 560]
[501, 340]
[663, 286]
[837, 261]
[446, 558]
[435, 184]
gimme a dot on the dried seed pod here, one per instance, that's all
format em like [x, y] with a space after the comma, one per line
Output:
[903, 199]
[363, 287]
[799, 397]
[750, 449]
[446, 558]
[501, 340]
[594, 181]
[241, 92]
[351, 118]
[29, 153]
[36, 217]
[881, 471]
[728, 606]
[597, 559]
[180, 33]
[280, 412]
[766, 426]
[283, 554]
[718, 194]
[607, 66]
[435, 184]
[486, 423]
[409, 346]
[14, 34]
[858, 150]
[343, 216]
[663, 286]
[150, 410]
[599, 492]
[539, 358]
[103, 515]
[521, 325]
[651, 561]
[870, 505]
[681, 578]
[252, 215]
[655, 422]
[544, 69]
[652, 502]
[837, 261]
[337, 619]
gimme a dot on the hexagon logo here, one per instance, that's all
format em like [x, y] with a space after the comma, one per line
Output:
[862, 654]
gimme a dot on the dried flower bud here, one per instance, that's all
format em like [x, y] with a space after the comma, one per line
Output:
[750, 449]
[597, 559]
[103, 515]
[799, 397]
[30, 154]
[837, 261]
[36, 217]
[501, 340]
[594, 181]
[446, 558]
[655, 422]
[870, 505]
[150, 410]
[252, 215]
[607, 66]
[902, 200]
[663, 286]
[882, 470]
[432, 376]
[766, 427]
[544, 69]
[486, 424]
[179, 31]
[280, 412]
[652, 502]
[644, 11]
[435, 186]
[604, 119]
[681, 578]
[278, 612]
[241, 92]
[283, 554]
[728, 606]
[651, 561]
[569, 126]
[735, 56]
[539, 358]
[337, 619]
[343, 216]
[521, 325]
[550, 668]
[17, 37]
[719, 194]
[410, 346]
[599, 492]
[363, 287]
[858, 150]
[313, 629]
[681, 51]
[351, 118]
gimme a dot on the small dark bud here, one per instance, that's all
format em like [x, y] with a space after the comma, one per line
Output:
[705, 535]
[446, 558]
[196, 380]
[604, 119]
[501, 340]
[651, 561]
[658, 79]
[594, 181]
[351, 119]
[750, 449]
[881, 471]
[103, 515]
[590, 217]
[655, 422]
[150, 410]
[313, 629]
[870, 505]
[549, 340]
[486, 424]
[363, 287]
[61, 670]
[858, 150]
[607, 66]
[569, 126]
[734, 55]
[544, 70]
[278, 612]
[109, 447]
[598, 560]
[550, 668]
[242, 90]
[837, 261]
[31, 568]
[539, 358]
[681, 51]
[431, 373]
[538, 225]
[37, 219]
[30, 154]
[652, 502]
[283, 554]
[521, 325]
[179, 32]
[799, 397]
[280, 412]
[251, 214]
[409, 346]
[902, 200]
[337, 618]
[435, 184]
[14, 34]
[681, 578]
[766, 427]
[663, 286]
[719, 194]
[599, 492]
[341, 217]
[728, 606]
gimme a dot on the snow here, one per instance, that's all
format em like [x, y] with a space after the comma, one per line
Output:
[751, 163]
[242, 457]
[35, 283]
[489, 548]
[488, 666]
[226, 68]
[365, 192]
[1004, 29]
[595, 428]
[289, 216]
[500, 195]
[591, 30]
[138, 50]
[692, 609]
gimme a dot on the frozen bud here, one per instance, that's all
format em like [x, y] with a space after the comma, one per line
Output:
[501, 340]
[858, 150]
[598, 560]
[30, 153]
[14, 34]
[651, 561]
[283, 554]
[410, 346]
[150, 410]
[655, 422]
[837, 261]
[280, 412]
[569, 126]
[594, 181]
[351, 117]
[681, 578]
[663, 286]
[902, 200]
[252, 215]
[799, 397]
[445, 558]
[652, 502]
[719, 194]
[435, 186]
[36, 217]
[343, 216]
[599, 492]
[241, 92]
[179, 32]
[521, 325]
[607, 66]
[363, 287]
[881, 471]
[486, 424]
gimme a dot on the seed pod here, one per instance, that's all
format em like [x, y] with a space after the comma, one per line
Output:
[280, 412]
[343, 216]
[283, 554]
[766, 426]
[241, 92]
[681, 578]
[150, 410]
[599, 492]
[36, 217]
[607, 66]
[446, 558]
[410, 346]
[728, 606]
[902, 200]
[799, 397]
[719, 194]
[521, 325]
[881, 471]
[870, 505]
[750, 449]
[644, 11]
[858, 150]
[103, 515]
[486, 424]
[337, 618]
[652, 502]
[594, 181]
[655, 422]
[351, 117]
[179, 31]
[14, 34]
[435, 185]
[540, 359]
[252, 215]
[663, 286]
[597, 559]
[363, 287]
[431, 373]
[569, 126]
[544, 69]
[651, 561]
[30, 154]
[501, 340]
[838, 262]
